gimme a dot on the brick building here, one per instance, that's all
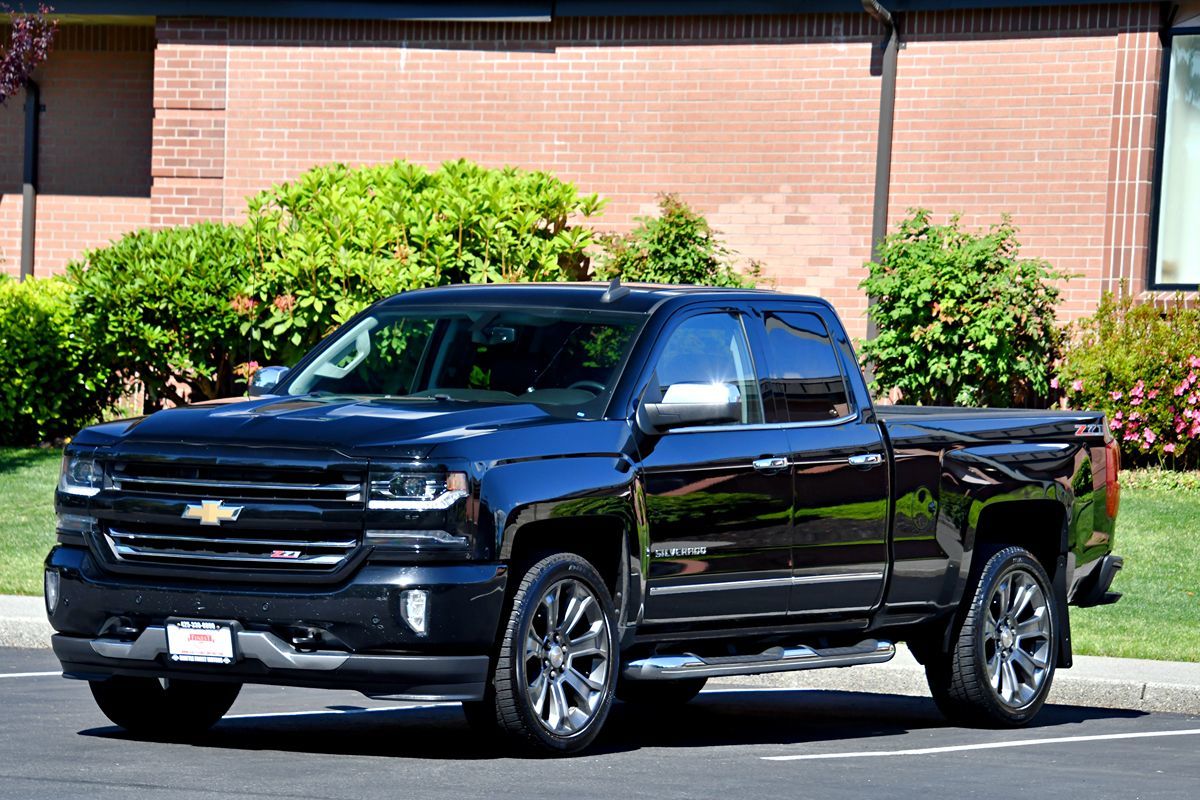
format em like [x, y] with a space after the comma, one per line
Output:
[1082, 120]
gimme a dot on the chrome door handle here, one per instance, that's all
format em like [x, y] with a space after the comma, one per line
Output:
[866, 460]
[770, 464]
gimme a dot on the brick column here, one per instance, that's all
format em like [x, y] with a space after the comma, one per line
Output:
[1131, 158]
[188, 161]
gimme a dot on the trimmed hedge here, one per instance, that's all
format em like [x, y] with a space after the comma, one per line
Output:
[50, 385]
[156, 307]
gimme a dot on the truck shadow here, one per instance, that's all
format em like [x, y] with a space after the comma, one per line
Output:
[727, 717]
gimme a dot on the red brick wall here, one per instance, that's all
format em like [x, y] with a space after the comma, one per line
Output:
[1028, 113]
[767, 124]
[94, 152]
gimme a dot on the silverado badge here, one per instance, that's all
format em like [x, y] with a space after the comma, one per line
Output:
[212, 512]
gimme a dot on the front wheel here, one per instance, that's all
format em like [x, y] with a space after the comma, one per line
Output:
[1001, 662]
[556, 671]
[167, 708]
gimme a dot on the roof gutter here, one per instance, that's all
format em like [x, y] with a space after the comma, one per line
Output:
[883, 145]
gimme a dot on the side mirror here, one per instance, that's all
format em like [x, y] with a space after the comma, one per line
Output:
[265, 380]
[685, 404]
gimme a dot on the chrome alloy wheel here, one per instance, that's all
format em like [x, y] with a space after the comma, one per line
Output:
[1017, 639]
[567, 659]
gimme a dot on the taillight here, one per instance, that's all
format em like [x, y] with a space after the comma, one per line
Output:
[1112, 483]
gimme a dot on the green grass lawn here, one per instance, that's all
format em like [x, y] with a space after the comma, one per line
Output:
[1158, 533]
[27, 479]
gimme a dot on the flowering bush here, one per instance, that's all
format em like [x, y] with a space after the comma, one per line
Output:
[1141, 366]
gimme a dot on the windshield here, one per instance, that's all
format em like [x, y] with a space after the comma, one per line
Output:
[560, 358]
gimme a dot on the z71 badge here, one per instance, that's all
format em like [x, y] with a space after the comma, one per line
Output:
[1094, 429]
[676, 552]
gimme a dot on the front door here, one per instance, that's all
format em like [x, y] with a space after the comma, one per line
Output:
[718, 498]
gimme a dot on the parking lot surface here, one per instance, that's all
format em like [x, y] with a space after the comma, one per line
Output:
[731, 742]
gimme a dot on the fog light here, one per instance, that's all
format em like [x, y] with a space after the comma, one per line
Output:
[414, 607]
[51, 590]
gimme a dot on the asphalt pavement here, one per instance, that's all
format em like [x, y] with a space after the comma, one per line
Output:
[731, 742]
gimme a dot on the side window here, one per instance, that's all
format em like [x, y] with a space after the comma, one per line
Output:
[712, 348]
[805, 376]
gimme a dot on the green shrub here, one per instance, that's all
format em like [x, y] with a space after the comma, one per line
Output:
[50, 385]
[337, 239]
[677, 246]
[961, 318]
[156, 306]
[1140, 365]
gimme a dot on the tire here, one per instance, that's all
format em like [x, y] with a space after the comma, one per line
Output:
[1002, 656]
[659, 693]
[169, 708]
[562, 624]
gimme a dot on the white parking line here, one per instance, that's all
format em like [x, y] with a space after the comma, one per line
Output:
[336, 712]
[29, 674]
[983, 746]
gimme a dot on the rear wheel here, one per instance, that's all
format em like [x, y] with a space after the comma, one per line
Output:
[659, 693]
[1001, 662]
[164, 707]
[555, 674]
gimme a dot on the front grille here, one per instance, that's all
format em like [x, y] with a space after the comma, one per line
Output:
[300, 522]
[270, 550]
[238, 483]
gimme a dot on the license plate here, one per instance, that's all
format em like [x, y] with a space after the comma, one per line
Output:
[200, 641]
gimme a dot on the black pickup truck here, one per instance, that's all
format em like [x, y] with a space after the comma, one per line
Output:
[535, 498]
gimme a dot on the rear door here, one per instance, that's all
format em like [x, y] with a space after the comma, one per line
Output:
[718, 498]
[838, 459]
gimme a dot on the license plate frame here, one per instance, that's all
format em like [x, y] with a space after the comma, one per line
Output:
[202, 641]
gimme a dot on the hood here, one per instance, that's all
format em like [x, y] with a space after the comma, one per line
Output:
[344, 424]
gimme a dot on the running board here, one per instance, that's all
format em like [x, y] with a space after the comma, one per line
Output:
[777, 659]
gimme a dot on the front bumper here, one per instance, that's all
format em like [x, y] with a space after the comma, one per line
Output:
[350, 636]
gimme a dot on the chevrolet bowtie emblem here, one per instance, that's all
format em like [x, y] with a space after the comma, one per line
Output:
[212, 512]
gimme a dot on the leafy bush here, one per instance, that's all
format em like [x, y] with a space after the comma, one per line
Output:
[156, 306]
[1141, 366]
[337, 239]
[677, 246]
[49, 384]
[961, 318]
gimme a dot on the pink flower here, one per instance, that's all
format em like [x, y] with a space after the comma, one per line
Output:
[1135, 401]
[1180, 389]
[1191, 379]
[1153, 394]
[1054, 383]
[1169, 447]
[1149, 436]
[1114, 424]
[1137, 389]
[1194, 362]
[1077, 385]
[1116, 395]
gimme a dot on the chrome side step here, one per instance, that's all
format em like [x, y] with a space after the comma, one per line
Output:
[777, 659]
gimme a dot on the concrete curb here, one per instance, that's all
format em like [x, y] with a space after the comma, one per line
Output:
[23, 622]
[1124, 683]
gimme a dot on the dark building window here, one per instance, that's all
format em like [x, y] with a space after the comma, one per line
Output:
[1177, 245]
[806, 383]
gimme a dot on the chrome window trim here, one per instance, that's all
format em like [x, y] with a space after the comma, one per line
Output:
[765, 426]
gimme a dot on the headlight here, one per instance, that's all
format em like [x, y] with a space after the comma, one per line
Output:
[416, 491]
[81, 475]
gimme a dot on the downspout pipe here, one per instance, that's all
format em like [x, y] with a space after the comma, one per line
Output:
[33, 108]
[883, 147]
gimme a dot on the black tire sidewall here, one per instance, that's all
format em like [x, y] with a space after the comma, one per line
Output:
[998, 567]
[510, 671]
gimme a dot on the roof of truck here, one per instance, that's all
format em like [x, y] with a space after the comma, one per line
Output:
[641, 297]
